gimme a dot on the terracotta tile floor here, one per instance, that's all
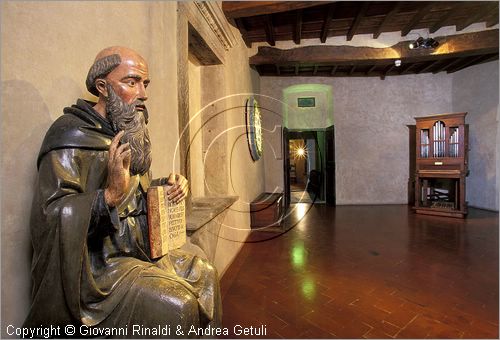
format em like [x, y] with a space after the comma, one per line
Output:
[368, 272]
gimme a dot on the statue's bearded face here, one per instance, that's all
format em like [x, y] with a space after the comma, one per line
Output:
[124, 90]
[127, 117]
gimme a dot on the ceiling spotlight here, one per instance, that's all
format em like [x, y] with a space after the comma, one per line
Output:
[424, 43]
[417, 43]
[397, 62]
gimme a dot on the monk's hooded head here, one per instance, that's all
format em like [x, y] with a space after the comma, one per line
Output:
[119, 76]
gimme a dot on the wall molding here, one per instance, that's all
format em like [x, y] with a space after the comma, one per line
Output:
[210, 23]
[216, 20]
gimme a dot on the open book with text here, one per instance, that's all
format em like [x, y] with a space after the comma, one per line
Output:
[166, 221]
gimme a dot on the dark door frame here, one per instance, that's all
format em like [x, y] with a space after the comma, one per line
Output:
[289, 134]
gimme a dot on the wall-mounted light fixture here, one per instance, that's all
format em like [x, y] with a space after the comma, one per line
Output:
[424, 43]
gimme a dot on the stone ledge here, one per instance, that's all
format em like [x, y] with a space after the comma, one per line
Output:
[205, 209]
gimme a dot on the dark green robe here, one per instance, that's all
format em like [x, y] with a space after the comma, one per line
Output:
[90, 263]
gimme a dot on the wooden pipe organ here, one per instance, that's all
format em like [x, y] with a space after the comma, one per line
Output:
[441, 165]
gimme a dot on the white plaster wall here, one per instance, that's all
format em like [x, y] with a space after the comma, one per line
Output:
[308, 117]
[47, 49]
[475, 90]
[371, 137]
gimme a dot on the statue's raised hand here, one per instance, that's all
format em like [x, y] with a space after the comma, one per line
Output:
[118, 171]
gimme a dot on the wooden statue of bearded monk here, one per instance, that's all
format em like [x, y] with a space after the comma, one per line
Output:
[89, 225]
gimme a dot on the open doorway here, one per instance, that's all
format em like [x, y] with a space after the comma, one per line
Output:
[309, 166]
[304, 181]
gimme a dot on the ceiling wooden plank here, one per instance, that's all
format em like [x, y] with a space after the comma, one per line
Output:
[388, 17]
[326, 22]
[239, 9]
[430, 65]
[357, 20]
[449, 64]
[416, 18]
[455, 46]
[298, 27]
[371, 69]
[269, 28]
[441, 21]
[386, 71]
[243, 31]
[406, 68]
[475, 17]
[474, 60]
[493, 18]
[466, 62]
[334, 69]
[492, 22]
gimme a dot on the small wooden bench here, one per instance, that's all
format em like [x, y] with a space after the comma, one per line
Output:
[266, 210]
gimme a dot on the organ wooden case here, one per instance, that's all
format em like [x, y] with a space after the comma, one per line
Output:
[441, 165]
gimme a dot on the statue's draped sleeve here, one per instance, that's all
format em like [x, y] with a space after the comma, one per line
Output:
[70, 213]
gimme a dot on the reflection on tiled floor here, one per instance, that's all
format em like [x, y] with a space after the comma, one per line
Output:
[368, 272]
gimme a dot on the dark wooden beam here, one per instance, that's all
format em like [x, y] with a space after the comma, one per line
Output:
[243, 31]
[240, 9]
[357, 20]
[278, 72]
[406, 68]
[388, 17]
[430, 65]
[334, 69]
[297, 32]
[466, 62]
[258, 69]
[475, 17]
[493, 18]
[474, 60]
[370, 69]
[416, 18]
[461, 45]
[449, 64]
[297, 69]
[315, 70]
[351, 71]
[269, 28]
[492, 22]
[386, 71]
[326, 22]
[441, 21]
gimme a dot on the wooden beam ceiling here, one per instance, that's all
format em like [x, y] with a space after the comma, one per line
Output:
[454, 53]
[240, 9]
[474, 17]
[298, 20]
[357, 20]
[298, 27]
[466, 44]
[270, 30]
[422, 11]
[442, 20]
[386, 19]
[326, 22]
[272, 21]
